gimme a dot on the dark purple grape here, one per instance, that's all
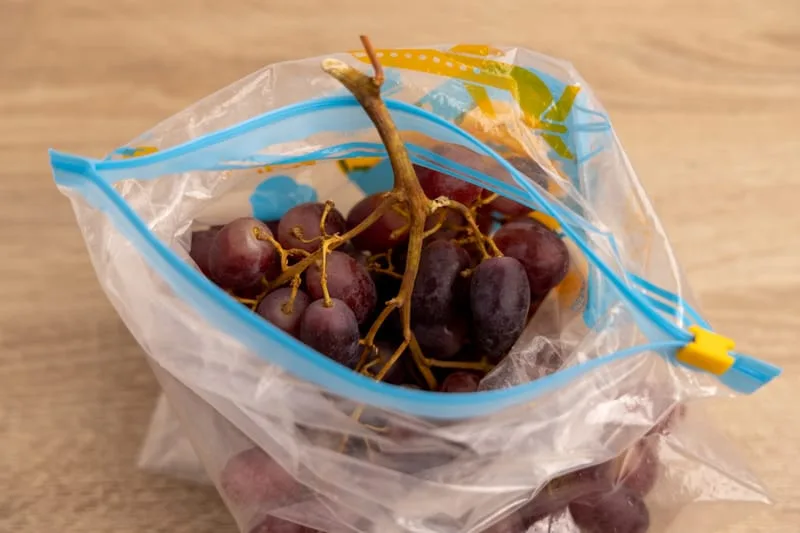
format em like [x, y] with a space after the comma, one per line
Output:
[332, 331]
[544, 256]
[275, 525]
[616, 512]
[460, 381]
[378, 237]
[440, 267]
[436, 184]
[238, 259]
[275, 305]
[397, 374]
[306, 217]
[442, 340]
[348, 281]
[499, 300]
[253, 477]
[201, 247]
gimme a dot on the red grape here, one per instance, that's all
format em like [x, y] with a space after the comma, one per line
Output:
[238, 259]
[442, 340]
[499, 299]
[273, 225]
[544, 256]
[332, 331]
[531, 169]
[201, 246]
[275, 525]
[272, 307]
[616, 512]
[452, 221]
[460, 381]
[348, 280]
[509, 207]
[306, 217]
[440, 266]
[639, 469]
[376, 238]
[253, 477]
[436, 184]
[665, 425]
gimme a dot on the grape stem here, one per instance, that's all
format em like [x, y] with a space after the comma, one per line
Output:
[367, 90]
[334, 242]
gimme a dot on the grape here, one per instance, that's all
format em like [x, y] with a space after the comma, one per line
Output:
[665, 425]
[306, 217]
[440, 266]
[397, 374]
[509, 207]
[275, 525]
[348, 281]
[273, 225]
[376, 238]
[272, 307]
[499, 299]
[544, 256]
[252, 292]
[238, 259]
[452, 221]
[201, 246]
[639, 469]
[442, 340]
[460, 381]
[332, 331]
[531, 169]
[253, 477]
[616, 512]
[436, 184]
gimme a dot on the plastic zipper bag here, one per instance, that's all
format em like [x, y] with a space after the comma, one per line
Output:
[583, 424]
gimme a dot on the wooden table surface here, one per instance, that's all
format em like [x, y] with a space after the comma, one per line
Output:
[704, 95]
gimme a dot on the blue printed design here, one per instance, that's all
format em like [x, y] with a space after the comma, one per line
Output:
[277, 194]
[375, 179]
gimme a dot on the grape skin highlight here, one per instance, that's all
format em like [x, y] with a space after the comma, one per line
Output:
[332, 331]
[272, 308]
[237, 258]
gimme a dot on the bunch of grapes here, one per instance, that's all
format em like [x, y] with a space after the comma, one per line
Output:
[325, 279]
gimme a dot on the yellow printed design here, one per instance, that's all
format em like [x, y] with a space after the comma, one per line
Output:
[270, 168]
[355, 164]
[138, 151]
[540, 110]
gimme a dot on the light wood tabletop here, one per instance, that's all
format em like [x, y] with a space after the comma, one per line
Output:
[705, 97]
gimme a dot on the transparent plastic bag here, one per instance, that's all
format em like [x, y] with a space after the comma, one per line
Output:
[587, 416]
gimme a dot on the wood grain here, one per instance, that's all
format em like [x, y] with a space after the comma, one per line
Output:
[705, 96]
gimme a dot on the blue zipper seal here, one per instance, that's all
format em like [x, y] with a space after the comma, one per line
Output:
[93, 178]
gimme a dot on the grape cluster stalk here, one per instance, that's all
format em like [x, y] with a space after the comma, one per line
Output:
[407, 199]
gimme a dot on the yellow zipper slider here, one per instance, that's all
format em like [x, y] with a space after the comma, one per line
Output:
[708, 351]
